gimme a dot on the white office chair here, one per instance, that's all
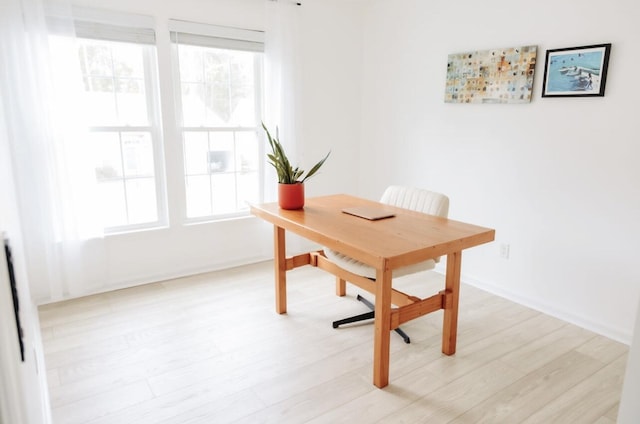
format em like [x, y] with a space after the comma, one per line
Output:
[419, 200]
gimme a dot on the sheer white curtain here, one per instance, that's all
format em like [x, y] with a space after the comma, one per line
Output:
[283, 73]
[52, 166]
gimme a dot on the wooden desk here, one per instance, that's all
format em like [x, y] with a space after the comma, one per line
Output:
[408, 238]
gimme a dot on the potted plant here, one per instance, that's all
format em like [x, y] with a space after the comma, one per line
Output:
[290, 180]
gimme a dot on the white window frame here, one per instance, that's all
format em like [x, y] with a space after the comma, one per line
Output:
[229, 38]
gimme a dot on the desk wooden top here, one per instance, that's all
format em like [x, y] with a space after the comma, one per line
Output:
[408, 237]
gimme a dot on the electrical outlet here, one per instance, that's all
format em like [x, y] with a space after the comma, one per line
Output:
[504, 250]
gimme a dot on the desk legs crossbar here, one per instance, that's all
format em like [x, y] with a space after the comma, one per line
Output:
[383, 298]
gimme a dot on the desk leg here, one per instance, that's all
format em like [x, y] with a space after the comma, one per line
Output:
[450, 322]
[382, 335]
[341, 287]
[280, 265]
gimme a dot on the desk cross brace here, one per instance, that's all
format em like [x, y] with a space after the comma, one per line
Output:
[409, 307]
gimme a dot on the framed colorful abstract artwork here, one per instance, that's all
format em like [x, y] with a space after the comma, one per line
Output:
[576, 71]
[491, 76]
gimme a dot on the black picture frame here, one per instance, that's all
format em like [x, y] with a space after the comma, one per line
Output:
[576, 71]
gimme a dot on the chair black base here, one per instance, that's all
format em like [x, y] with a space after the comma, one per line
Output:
[365, 316]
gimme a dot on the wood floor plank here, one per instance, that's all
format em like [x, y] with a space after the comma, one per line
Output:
[603, 349]
[227, 409]
[377, 403]
[210, 349]
[58, 353]
[612, 413]
[305, 405]
[588, 400]
[457, 396]
[191, 403]
[534, 391]
[103, 404]
[546, 348]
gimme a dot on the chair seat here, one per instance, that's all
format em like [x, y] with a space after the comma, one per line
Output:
[365, 270]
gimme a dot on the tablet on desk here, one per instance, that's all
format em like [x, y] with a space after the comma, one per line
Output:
[371, 213]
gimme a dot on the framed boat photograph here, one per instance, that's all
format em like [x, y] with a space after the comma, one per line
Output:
[576, 71]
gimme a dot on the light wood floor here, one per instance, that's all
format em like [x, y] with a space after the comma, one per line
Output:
[211, 349]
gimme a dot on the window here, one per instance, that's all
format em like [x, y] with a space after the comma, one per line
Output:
[217, 76]
[120, 103]
[117, 94]
[219, 106]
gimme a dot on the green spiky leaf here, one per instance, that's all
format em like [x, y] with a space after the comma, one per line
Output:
[279, 160]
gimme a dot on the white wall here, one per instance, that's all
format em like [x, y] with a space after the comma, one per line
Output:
[557, 178]
[330, 110]
[330, 121]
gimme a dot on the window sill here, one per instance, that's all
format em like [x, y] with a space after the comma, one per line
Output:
[221, 218]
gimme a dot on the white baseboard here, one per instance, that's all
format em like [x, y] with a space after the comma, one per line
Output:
[616, 334]
[139, 280]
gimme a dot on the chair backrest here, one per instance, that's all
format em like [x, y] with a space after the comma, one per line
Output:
[416, 199]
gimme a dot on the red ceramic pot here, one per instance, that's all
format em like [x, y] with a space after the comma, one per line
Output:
[291, 196]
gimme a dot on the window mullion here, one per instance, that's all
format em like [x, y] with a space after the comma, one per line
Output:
[258, 65]
[205, 86]
[124, 178]
[235, 168]
[115, 86]
[209, 176]
[153, 98]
